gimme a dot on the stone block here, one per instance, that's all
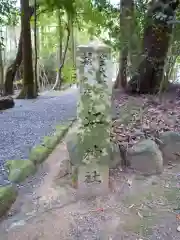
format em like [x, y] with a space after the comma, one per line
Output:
[113, 159]
[92, 180]
[145, 157]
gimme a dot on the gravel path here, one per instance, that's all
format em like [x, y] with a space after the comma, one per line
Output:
[23, 127]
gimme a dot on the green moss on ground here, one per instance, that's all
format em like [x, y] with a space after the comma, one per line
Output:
[8, 196]
[38, 154]
[19, 170]
[42, 151]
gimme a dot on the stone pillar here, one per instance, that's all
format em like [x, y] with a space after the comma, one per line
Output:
[91, 155]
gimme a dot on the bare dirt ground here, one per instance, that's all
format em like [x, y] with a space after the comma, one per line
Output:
[136, 207]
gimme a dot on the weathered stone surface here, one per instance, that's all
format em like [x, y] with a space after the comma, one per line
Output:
[93, 180]
[71, 143]
[94, 108]
[6, 102]
[8, 196]
[113, 158]
[170, 146]
[90, 147]
[146, 157]
[19, 170]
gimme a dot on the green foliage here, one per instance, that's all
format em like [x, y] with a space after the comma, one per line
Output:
[69, 73]
[89, 18]
[6, 10]
[8, 14]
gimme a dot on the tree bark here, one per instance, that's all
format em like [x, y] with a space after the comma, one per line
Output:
[36, 52]
[12, 69]
[121, 79]
[126, 18]
[1, 72]
[58, 82]
[28, 90]
[60, 51]
[157, 35]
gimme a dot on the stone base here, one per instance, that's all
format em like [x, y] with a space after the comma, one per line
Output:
[92, 180]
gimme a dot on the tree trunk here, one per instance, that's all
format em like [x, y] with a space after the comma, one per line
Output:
[73, 48]
[28, 90]
[60, 52]
[58, 82]
[1, 70]
[1, 74]
[157, 35]
[121, 80]
[12, 69]
[126, 19]
[36, 50]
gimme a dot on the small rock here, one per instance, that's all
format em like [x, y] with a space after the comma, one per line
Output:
[6, 102]
[178, 228]
[170, 146]
[145, 157]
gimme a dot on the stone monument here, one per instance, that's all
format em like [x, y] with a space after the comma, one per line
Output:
[90, 146]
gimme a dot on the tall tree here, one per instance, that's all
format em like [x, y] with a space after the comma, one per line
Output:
[126, 20]
[157, 36]
[8, 16]
[36, 47]
[12, 69]
[1, 70]
[28, 90]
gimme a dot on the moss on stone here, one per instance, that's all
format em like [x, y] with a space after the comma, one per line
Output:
[41, 152]
[19, 170]
[50, 142]
[8, 196]
[38, 154]
[61, 130]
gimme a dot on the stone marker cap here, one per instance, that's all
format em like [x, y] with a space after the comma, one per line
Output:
[94, 46]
